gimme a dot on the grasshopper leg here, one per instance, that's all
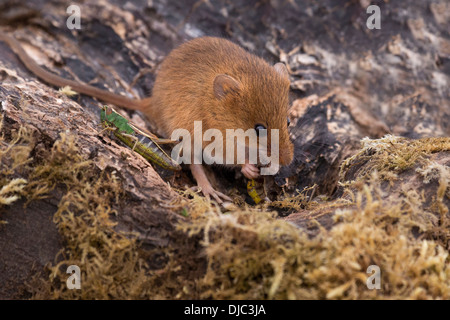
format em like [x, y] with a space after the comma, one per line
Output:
[133, 138]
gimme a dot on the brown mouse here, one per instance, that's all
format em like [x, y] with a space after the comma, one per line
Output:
[205, 79]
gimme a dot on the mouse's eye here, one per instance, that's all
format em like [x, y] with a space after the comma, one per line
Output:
[288, 121]
[258, 128]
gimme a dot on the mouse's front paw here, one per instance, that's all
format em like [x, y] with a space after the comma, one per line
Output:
[250, 171]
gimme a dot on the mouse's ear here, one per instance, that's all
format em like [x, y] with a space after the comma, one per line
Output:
[281, 69]
[224, 85]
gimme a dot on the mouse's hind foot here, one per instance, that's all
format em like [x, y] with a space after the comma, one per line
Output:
[209, 193]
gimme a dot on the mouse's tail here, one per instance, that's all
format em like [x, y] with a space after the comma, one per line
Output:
[58, 81]
[147, 106]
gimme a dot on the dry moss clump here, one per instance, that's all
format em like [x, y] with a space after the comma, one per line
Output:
[109, 260]
[391, 155]
[14, 157]
[421, 174]
[253, 255]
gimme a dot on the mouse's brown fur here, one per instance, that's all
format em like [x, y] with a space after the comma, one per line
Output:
[184, 91]
[206, 79]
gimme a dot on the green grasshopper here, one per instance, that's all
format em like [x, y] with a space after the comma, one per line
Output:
[139, 140]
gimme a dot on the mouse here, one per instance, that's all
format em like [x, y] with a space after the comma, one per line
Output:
[207, 79]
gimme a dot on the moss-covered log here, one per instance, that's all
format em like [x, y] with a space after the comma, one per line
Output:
[71, 194]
